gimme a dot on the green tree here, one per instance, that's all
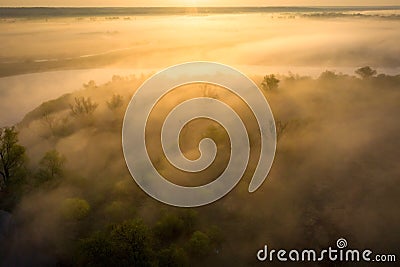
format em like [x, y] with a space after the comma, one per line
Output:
[366, 72]
[12, 155]
[173, 257]
[96, 251]
[199, 244]
[169, 227]
[125, 244]
[189, 218]
[132, 243]
[270, 82]
[51, 166]
[216, 236]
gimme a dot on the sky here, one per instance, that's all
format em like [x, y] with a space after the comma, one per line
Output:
[198, 2]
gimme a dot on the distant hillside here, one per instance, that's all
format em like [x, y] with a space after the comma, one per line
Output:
[40, 12]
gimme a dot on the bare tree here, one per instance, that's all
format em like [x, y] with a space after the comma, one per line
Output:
[49, 120]
[115, 102]
[82, 106]
[280, 129]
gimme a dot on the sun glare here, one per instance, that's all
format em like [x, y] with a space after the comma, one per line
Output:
[192, 3]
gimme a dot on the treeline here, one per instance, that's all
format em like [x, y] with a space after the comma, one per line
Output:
[122, 237]
[65, 181]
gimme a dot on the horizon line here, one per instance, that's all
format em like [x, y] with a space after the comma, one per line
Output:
[273, 6]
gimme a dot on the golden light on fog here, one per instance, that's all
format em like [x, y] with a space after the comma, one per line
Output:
[67, 75]
[190, 2]
[125, 3]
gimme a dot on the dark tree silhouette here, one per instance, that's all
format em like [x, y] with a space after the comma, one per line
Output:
[12, 155]
[328, 75]
[366, 72]
[270, 82]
